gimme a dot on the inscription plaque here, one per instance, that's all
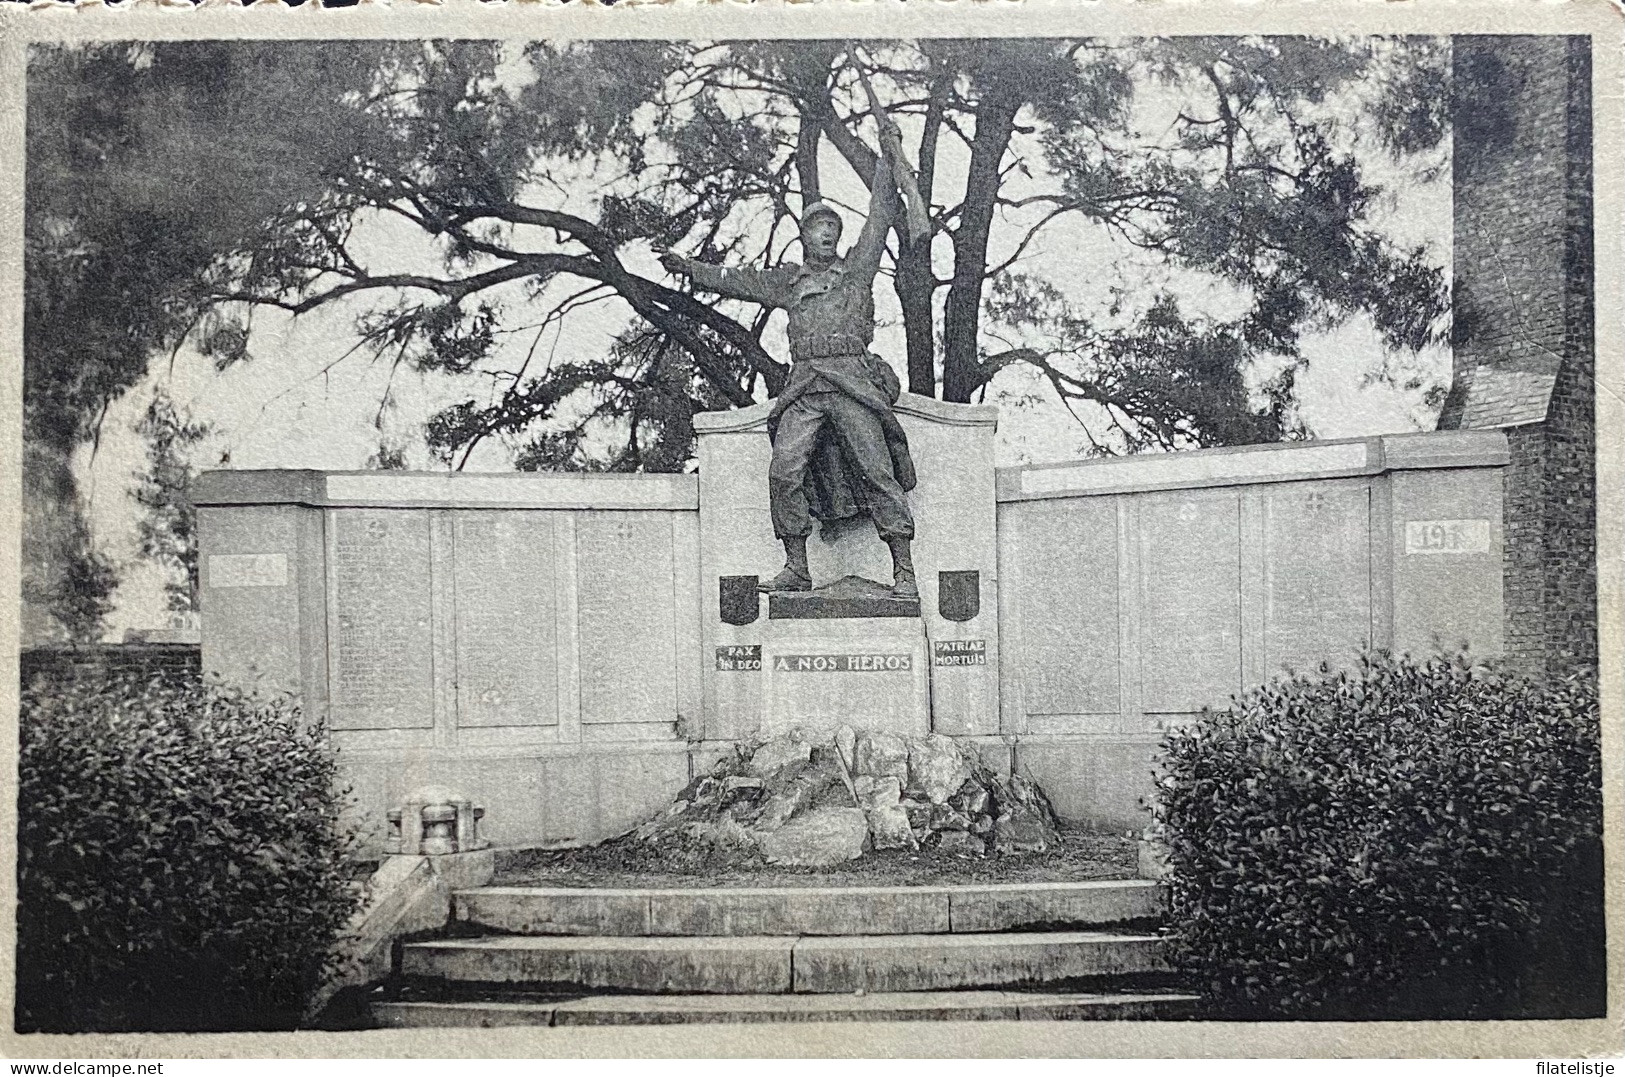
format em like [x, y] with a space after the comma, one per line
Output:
[1317, 576]
[1068, 637]
[843, 663]
[626, 617]
[507, 657]
[959, 652]
[1447, 536]
[1190, 621]
[739, 657]
[382, 663]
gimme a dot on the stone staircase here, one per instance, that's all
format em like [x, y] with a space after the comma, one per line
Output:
[560, 956]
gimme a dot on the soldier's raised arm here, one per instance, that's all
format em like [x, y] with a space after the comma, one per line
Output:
[884, 205]
[752, 285]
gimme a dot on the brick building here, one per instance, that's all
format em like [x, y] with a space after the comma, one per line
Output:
[59, 663]
[1523, 328]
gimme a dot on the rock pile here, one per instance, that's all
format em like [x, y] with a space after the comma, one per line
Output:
[799, 800]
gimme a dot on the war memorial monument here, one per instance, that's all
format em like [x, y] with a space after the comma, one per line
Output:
[570, 650]
[868, 681]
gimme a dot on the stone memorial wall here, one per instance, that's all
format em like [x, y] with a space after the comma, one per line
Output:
[568, 650]
[1136, 592]
[531, 640]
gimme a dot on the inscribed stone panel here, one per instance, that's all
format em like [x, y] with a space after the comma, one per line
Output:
[382, 673]
[1317, 575]
[507, 654]
[252, 636]
[625, 617]
[1067, 573]
[1190, 634]
[1451, 597]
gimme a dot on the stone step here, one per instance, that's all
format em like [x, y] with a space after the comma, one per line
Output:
[719, 1009]
[856, 910]
[766, 964]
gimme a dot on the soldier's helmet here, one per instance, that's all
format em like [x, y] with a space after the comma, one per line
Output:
[819, 209]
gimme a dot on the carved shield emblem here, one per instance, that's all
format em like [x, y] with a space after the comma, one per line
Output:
[740, 602]
[959, 594]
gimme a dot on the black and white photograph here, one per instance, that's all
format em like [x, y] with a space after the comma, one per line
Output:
[812, 532]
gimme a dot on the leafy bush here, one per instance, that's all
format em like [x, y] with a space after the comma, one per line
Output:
[1401, 840]
[181, 864]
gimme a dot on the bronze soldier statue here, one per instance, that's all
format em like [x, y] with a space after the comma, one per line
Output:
[838, 450]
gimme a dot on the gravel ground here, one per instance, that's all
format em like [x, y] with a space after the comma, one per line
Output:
[1082, 854]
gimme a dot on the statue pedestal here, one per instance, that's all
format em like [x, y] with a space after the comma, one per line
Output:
[822, 668]
[847, 597]
[955, 559]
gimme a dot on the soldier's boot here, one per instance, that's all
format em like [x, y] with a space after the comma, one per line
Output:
[795, 576]
[902, 569]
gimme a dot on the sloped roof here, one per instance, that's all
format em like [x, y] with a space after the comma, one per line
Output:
[1497, 397]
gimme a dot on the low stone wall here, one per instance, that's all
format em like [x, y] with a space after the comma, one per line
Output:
[1134, 592]
[56, 664]
[553, 646]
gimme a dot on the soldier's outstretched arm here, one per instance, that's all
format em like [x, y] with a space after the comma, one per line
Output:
[751, 285]
[884, 205]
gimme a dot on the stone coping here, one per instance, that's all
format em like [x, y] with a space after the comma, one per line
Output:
[740, 420]
[1297, 461]
[1289, 462]
[462, 490]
